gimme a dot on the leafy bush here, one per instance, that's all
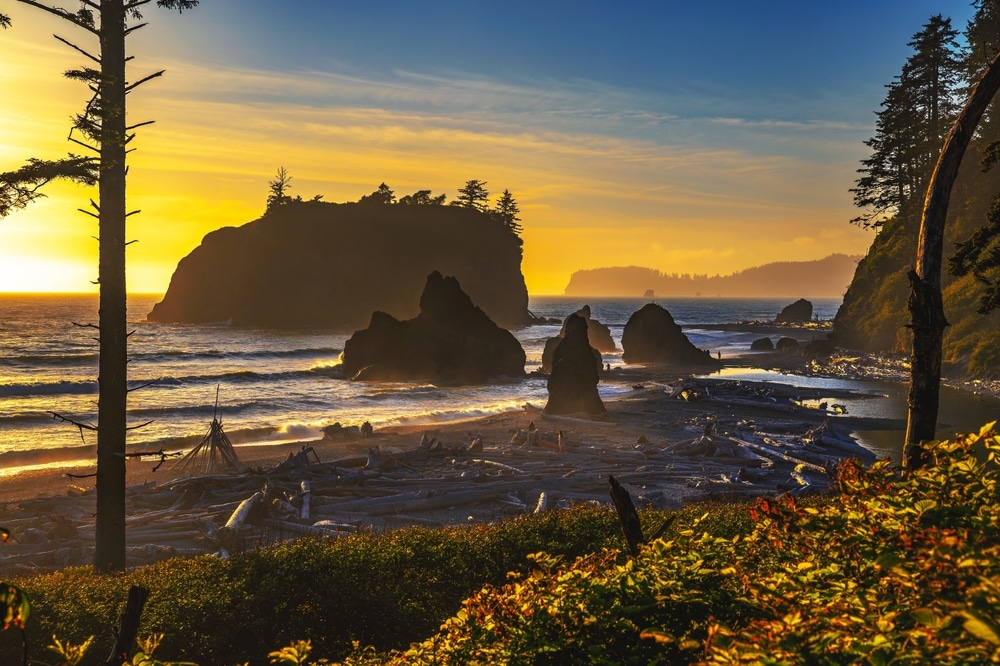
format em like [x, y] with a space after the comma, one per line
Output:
[898, 568]
[386, 590]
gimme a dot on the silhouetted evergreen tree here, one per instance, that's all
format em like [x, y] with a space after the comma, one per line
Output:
[103, 129]
[19, 188]
[423, 198]
[506, 211]
[916, 115]
[383, 195]
[474, 195]
[278, 190]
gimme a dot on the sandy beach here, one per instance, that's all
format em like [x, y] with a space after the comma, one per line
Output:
[671, 440]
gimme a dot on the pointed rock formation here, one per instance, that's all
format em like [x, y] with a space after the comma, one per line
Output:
[450, 340]
[598, 334]
[652, 336]
[573, 382]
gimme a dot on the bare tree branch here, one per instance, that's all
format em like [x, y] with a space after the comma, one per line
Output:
[77, 48]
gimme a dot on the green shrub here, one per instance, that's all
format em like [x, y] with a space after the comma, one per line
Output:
[898, 568]
[385, 590]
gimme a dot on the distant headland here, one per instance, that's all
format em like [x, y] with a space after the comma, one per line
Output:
[822, 278]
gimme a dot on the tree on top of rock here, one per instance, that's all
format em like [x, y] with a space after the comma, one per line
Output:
[383, 196]
[423, 198]
[474, 195]
[278, 190]
[506, 211]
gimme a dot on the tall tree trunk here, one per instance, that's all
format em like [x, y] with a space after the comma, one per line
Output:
[110, 546]
[926, 307]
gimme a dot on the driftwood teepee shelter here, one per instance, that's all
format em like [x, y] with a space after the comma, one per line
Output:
[214, 451]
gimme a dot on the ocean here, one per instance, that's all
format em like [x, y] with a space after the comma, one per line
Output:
[273, 385]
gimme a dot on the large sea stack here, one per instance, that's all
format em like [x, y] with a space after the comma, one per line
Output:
[652, 336]
[451, 340]
[316, 264]
[573, 382]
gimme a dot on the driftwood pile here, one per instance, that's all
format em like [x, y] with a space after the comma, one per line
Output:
[434, 483]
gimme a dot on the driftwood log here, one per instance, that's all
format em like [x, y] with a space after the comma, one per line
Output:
[628, 517]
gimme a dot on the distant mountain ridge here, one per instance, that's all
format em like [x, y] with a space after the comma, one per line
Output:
[821, 278]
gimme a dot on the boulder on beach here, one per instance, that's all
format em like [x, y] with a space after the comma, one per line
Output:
[652, 336]
[573, 382]
[787, 344]
[762, 344]
[799, 312]
[450, 340]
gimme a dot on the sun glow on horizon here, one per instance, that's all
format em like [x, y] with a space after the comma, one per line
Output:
[588, 198]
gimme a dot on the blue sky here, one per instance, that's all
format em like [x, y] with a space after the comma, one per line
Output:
[687, 137]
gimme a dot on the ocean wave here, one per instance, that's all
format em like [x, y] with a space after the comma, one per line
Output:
[24, 417]
[44, 456]
[51, 360]
[48, 388]
[208, 408]
[173, 355]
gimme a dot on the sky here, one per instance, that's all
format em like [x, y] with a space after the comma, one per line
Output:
[686, 137]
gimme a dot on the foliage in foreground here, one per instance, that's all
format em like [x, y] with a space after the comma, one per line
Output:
[385, 590]
[899, 568]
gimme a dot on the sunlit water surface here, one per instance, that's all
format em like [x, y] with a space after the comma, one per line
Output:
[277, 385]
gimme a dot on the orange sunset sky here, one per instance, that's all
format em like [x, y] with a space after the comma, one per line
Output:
[686, 139]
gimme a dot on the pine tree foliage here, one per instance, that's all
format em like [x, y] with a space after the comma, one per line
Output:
[383, 195]
[278, 190]
[473, 195]
[423, 198]
[919, 109]
[979, 255]
[506, 211]
[21, 187]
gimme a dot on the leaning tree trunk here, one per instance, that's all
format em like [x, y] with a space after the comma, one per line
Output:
[110, 542]
[925, 304]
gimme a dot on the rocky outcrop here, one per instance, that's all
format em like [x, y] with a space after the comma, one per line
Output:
[573, 382]
[598, 334]
[652, 336]
[450, 340]
[799, 312]
[874, 316]
[549, 354]
[316, 264]
[762, 344]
